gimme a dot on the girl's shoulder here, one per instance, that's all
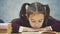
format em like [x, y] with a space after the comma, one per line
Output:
[15, 24]
[16, 20]
[53, 19]
[54, 22]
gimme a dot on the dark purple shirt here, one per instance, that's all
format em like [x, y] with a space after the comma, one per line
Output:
[55, 24]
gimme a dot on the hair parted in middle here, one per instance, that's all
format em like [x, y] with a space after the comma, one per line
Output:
[44, 9]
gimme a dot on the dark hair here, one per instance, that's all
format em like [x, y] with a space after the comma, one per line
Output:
[32, 7]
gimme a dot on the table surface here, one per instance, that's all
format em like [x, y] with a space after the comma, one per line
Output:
[10, 29]
[27, 33]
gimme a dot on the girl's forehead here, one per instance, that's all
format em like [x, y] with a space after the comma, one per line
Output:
[36, 16]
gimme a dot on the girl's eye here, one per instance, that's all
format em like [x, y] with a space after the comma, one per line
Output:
[33, 21]
[39, 21]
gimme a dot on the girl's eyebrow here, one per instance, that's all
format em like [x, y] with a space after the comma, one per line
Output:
[39, 19]
[32, 19]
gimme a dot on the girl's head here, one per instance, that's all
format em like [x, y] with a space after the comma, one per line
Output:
[36, 14]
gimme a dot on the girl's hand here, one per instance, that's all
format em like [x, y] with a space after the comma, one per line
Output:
[48, 28]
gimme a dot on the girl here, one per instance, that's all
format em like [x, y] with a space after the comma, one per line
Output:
[35, 17]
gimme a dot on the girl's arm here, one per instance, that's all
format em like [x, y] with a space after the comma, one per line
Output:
[27, 29]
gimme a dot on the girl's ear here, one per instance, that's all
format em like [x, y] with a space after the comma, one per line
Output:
[23, 10]
[27, 16]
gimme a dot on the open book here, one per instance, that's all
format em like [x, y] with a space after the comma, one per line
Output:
[39, 33]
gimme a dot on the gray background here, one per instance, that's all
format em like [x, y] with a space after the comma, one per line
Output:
[9, 9]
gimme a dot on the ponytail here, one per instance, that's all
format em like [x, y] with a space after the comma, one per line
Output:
[47, 13]
[24, 20]
[23, 10]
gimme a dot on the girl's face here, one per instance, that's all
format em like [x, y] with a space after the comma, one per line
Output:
[36, 20]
